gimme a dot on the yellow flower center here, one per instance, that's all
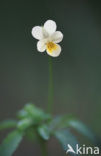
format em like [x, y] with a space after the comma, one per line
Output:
[51, 47]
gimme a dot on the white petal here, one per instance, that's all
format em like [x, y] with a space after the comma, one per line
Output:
[50, 26]
[56, 52]
[57, 37]
[41, 46]
[45, 33]
[37, 32]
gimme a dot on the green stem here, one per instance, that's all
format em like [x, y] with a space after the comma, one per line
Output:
[50, 85]
[43, 148]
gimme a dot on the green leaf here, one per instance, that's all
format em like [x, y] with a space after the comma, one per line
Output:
[22, 114]
[44, 132]
[33, 111]
[24, 124]
[66, 121]
[10, 143]
[60, 122]
[8, 124]
[84, 130]
[65, 137]
[36, 114]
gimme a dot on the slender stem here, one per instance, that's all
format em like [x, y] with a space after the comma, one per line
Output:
[50, 85]
[43, 148]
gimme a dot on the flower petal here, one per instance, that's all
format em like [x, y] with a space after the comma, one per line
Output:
[37, 32]
[41, 46]
[50, 26]
[57, 37]
[45, 33]
[56, 52]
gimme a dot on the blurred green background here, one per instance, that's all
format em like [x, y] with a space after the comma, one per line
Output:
[77, 72]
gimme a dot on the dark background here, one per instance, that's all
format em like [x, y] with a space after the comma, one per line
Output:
[77, 72]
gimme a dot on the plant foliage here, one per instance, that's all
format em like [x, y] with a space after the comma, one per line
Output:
[34, 123]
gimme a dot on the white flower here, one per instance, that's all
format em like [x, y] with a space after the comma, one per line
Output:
[48, 38]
